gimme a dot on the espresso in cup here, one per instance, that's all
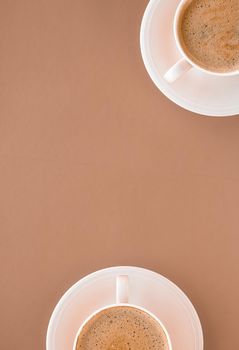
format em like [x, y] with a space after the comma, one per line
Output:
[122, 328]
[209, 34]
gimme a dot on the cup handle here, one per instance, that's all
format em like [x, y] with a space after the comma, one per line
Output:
[122, 289]
[177, 70]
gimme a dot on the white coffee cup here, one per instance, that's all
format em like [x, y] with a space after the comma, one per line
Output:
[122, 297]
[185, 63]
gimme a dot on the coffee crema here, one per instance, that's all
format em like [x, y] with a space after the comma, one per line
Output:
[210, 34]
[122, 328]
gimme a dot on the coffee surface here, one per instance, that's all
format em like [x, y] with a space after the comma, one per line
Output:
[122, 328]
[210, 34]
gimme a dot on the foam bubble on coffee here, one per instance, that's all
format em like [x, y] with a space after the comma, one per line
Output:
[122, 328]
[210, 34]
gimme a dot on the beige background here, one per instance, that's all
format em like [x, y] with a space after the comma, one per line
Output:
[91, 152]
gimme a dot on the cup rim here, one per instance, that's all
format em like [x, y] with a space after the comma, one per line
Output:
[182, 51]
[88, 318]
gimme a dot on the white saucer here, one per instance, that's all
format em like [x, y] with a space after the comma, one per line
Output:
[195, 91]
[147, 289]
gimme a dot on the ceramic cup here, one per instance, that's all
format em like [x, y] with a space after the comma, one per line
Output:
[122, 297]
[185, 63]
